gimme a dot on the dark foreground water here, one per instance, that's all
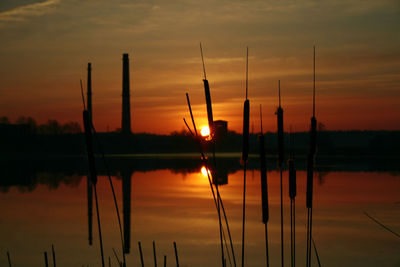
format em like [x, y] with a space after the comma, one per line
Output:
[46, 207]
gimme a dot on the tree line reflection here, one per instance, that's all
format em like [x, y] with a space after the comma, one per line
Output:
[27, 174]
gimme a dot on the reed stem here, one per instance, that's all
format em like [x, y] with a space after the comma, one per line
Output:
[308, 235]
[264, 186]
[218, 194]
[154, 254]
[176, 254]
[204, 159]
[245, 151]
[244, 210]
[292, 196]
[220, 225]
[310, 170]
[141, 254]
[294, 232]
[279, 113]
[291, 232]
[90, 209]
[54, 255]
[316, 253]
[92, 172]
[9, 259]
[282, 254]
[382, 225]
[309, 251]
[99, 225]
[46, 262]
[229, 232]
[222, 205]
[266, 244]
[116, 257]
[113, 193]
[223, 209]
[313, 243]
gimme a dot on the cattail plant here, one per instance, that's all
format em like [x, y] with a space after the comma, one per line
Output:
[208, 97]
[211, 128]
[279, 113]
[89, 183]
[54, 255]
[141, 253]
[176, 255]
[216, 200]
[9, 258]
[154, 254]
[264, 187]
[310, 173]
[116, 258]
[123, 264]
[292, 196]
[46, 262]
[92, 167]
[245, 150]
[88, 124]
[89, 189]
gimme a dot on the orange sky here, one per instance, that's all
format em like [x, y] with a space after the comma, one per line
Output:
[47, 44]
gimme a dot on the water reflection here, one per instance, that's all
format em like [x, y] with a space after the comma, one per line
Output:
[28, 173]
[46, 203]
[90, 209]
[126, 203]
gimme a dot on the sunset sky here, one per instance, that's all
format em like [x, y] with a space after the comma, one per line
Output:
[46, 45]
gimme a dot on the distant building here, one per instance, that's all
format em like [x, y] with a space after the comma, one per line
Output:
[221, 128]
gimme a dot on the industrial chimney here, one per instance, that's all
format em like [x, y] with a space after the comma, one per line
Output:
[126, 109]
[89, 91]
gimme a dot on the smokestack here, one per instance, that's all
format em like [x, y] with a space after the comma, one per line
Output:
[89, 91]
[126, 109]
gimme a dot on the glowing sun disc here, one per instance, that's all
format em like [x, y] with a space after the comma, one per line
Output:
[204, 171]
[205, 131]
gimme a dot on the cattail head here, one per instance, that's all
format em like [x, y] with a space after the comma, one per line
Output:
[292, 179]
[246, 121]
[310, 176]
[209, 107]
[279, 113]
[264, 185]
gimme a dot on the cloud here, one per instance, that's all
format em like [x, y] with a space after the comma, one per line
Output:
[22, 13]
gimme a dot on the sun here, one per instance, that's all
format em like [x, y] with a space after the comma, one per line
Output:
[204, 171]
[205, 131]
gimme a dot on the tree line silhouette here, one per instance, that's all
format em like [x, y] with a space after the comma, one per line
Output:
[28, 125]
[25, 137]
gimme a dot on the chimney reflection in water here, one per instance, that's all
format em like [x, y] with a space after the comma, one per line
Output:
[89, 183]
[126, 203]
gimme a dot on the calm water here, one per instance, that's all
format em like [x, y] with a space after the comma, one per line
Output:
[50, 207]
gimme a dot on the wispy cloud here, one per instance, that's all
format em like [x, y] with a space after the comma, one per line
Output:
[23, 13]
